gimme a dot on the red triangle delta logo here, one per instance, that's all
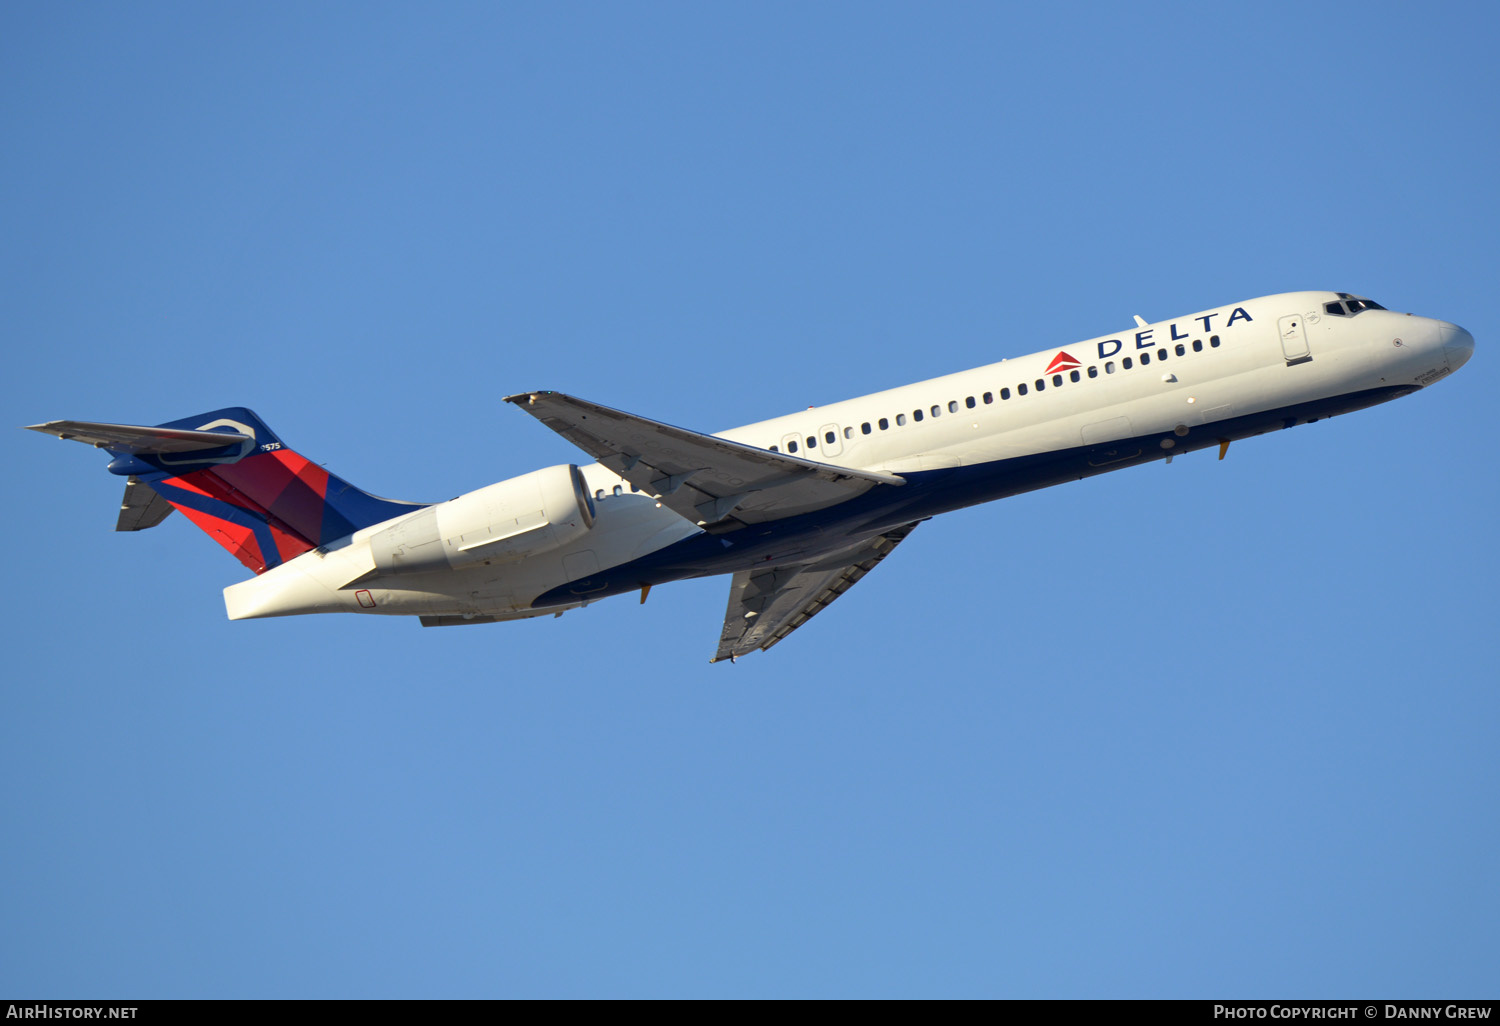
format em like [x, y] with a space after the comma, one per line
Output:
[1061, 362]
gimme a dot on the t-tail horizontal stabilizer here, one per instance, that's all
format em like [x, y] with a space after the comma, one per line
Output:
[233, 478]
[136, 440]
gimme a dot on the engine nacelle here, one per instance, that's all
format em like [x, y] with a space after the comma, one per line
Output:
[501, 523]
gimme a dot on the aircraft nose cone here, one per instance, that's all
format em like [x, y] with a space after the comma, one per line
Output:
[1458, 345]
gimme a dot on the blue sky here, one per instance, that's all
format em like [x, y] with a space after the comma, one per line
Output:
[1206, 730]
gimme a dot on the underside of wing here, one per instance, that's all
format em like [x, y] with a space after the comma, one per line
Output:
[717, 484]
[767, 605]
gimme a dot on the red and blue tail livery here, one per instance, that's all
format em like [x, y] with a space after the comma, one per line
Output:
[796, 509]
[236, 480]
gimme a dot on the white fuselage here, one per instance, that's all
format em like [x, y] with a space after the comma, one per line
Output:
[1149, 392]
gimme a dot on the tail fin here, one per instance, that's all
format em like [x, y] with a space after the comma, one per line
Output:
[234, 478]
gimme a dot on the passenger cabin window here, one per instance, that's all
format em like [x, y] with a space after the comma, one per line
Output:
[1073, 376]
[1093, 372]
[969, 402]
[1179, 350]
[1109, 367]
[1197, 345]
[774, 449]
[900, 420]
[1057, 380]
[937, 411]
[1126, 364]
[1020, 389]
[916, 415]
[618, 490]
[1041, 384]
[884, 424]
[989, 397]
[829, 437]
[1004, 393]
[953, 405]
[812, 441]
[1145, 359]
[1213, 341]
[864, 428]
[1161, 354]
[791, 447]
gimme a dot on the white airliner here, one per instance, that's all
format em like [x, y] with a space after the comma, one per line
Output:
[798, 508]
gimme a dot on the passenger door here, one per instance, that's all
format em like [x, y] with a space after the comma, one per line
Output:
[1294, 339]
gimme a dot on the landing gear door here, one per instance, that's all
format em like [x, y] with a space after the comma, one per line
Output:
[1294, 339]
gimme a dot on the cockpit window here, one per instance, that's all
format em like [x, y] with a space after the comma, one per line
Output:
[1354, 303]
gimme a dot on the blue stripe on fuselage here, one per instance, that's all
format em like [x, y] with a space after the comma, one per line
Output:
[926, 494]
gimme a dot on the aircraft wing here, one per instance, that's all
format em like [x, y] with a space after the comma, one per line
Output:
[767, 605]
[715, 483]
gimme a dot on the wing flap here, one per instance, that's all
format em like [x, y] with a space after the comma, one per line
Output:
[716, 483]
[767, 605]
